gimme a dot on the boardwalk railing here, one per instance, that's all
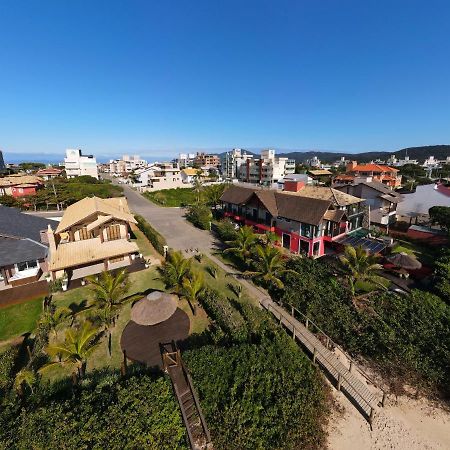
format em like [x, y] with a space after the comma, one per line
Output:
[354, 388]
[194, 421]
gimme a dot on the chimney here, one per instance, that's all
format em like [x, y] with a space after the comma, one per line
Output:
[293, 186]
[51, 239]
[350, 166]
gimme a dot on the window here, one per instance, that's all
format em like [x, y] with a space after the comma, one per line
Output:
[26, 265]
[84, 234]
[113, 232]
[305, 230]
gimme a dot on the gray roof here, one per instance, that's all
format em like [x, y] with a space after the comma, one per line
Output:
[380, 187]
[14, 223]
[13, 251]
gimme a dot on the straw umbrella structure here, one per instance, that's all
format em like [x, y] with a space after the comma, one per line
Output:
[405, 261]
[155, 308]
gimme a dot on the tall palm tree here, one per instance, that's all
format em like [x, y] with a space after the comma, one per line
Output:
[25, 377]
[243, 244]
[53, 317]
[193, 286]
[270, 266]
[198, 188]
[110, 295]
[78, 346]
[213, 193]
[360, 266]
[174, 270]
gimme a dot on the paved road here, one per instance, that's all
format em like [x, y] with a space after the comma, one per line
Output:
[170, 222]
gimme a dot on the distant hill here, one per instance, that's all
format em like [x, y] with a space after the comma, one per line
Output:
[419, 153]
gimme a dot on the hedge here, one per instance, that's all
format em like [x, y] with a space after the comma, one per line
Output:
[7, 363]
[157, 240]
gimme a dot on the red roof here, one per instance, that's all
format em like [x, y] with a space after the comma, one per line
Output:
[49, 171]
[372, 168]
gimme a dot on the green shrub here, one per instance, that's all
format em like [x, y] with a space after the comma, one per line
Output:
[110, 412]
[8, 361]
[264, 395]
[157, 240]
[225, 230]
[225, 315]
[200, 216]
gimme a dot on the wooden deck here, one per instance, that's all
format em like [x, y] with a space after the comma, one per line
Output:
[197, 430]
[345, 380]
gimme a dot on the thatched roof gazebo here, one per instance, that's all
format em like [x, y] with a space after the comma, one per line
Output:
[405, 261]
[155, 319]
[155, 308]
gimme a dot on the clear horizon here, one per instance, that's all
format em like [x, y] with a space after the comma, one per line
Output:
[345, 76]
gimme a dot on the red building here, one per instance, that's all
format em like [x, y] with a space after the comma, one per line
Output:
[307, 218]
[20, 185]
[48, 173]
[369, 172]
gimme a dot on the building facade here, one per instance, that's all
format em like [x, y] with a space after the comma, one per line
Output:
[369, 172]
[93, 236]
[20, 185]
[232, 162]
[267, 169]
[76, 164]
[205, 159]
[306, 221]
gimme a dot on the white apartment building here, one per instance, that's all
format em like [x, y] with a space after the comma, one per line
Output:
[160, 176]
[127, 164]
[76, 164]
[186, 159]
[232, 162]
[393, 161]
[266, 169]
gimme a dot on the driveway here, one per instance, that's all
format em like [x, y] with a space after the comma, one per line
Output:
[170, 222]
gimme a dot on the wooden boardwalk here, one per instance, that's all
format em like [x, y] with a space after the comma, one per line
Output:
[357, 391]
[197, 430]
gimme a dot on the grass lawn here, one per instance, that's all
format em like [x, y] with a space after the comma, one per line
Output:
[367, 286]
[172, 197]
[145, 247]
[16, 320]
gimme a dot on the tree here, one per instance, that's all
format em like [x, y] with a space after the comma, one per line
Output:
[174, 270]
[243, 244]
[360, 266]
[24, 377]
[200, 216]
[271, 238]
[441, 216]
[270, 266]
[198, 188]
[193, 286]
[442, 278]
[78, 346]
[109, 298]
[213, 193]
[53, 317]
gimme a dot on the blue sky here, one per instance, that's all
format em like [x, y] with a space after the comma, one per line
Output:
[158, 77]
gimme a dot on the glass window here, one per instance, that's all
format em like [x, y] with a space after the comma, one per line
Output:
[26, 265]
[305, 230]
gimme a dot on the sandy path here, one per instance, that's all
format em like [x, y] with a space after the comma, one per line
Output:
[403, 424]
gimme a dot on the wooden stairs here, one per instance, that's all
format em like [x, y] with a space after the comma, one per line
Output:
[194, 421]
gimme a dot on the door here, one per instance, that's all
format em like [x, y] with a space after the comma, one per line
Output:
[287, 241]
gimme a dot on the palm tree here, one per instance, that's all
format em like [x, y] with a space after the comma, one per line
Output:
[109, 298]
[24, 377]
[174, 270]
[77, 347]
[360, 266]
[242, 245]
[270, 266]
[193, 286]
[197, 187]
[213, 193]
[53, 317]
[271, 238]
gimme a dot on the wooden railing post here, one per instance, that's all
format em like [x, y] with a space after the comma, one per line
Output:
[351, 365]
[307, 322]
[292, 311]
[371, 417]
[124, 366]
[293, 332]
[314, 354]
[384, 398]
[339, 381]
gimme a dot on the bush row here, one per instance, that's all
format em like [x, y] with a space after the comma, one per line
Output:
[156, 239]
[7, 363]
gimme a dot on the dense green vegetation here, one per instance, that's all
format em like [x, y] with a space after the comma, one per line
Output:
[200, 216]
[172, 197]
[157, 240]
[406, 335]
[441, 216]
[62, 192]
[257, 389]
[106, 411]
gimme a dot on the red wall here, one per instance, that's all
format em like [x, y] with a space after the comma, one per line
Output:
[26, 191]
